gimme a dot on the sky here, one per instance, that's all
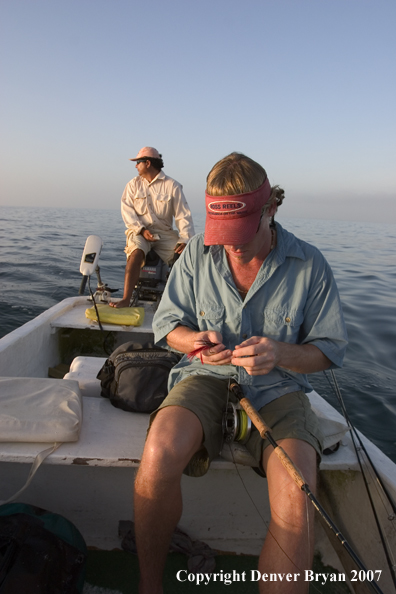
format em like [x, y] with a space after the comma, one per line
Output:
[305, 87]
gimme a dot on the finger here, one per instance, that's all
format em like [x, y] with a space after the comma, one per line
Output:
[215, 337]
[246, 361]
[254, 359]
[250, 341]
[257, 365]
[220, 358]
[214, 350]
[247, 351]
[209, 336]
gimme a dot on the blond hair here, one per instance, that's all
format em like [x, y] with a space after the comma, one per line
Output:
[235, 174]
[238, 174]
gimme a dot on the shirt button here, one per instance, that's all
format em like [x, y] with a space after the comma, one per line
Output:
[287, 320]
[244, 336]
[201, 313]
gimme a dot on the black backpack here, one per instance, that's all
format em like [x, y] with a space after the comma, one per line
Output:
[135, 376]
[40, 552]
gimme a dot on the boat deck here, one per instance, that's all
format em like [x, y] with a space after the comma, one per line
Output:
[75, 318]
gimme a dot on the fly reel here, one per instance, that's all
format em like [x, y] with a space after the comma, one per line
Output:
[236, 424]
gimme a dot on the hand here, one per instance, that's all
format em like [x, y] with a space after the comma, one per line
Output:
[257, 355]
[179, 248]
[147, 235]
[215, 355]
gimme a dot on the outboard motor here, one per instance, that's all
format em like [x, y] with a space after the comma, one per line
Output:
[152, 279]
[89, 265]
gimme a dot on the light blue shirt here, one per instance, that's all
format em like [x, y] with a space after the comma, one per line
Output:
[293, 299]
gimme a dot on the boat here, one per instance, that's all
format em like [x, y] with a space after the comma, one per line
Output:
[90, 481]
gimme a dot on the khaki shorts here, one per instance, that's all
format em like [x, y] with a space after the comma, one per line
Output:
[289, 416]
[164, 247]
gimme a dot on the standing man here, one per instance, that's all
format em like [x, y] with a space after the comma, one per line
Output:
[149, 204]
[268, 303]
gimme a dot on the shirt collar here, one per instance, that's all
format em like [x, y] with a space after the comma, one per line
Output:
[287, 244]
[161, 175]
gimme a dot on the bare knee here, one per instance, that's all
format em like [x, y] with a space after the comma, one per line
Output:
[286, 497]
[174, 437]
[137, 256]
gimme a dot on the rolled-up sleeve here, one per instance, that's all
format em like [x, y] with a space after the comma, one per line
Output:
[324, 324]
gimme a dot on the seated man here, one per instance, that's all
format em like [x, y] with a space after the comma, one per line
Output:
[269, 303]
[148, 205]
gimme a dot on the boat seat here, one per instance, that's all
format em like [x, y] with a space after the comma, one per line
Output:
[84, 370]
[112, 437]
[333, 426]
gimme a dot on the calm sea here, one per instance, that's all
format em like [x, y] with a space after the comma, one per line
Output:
[40, 253]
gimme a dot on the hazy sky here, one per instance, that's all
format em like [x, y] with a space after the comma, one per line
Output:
[304, 87]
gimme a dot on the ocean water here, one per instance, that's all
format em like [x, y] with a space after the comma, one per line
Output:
[40, 253]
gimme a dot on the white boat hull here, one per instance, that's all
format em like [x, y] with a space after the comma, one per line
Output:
[90, 482]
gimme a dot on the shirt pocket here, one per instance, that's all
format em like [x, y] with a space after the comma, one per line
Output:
[140, 204]
[283, 325]
[210, 317]
[162, 204]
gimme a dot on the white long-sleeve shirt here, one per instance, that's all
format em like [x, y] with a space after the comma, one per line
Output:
[154, 204]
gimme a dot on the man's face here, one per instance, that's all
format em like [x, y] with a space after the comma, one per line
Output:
[245, 252]
[242, 253]
[142, 166]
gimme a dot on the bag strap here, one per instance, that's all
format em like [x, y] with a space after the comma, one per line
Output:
[39, 459]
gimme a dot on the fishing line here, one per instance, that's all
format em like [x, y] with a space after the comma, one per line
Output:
[266, 524]
[308, 528]
[336, 389]
[378, 484]
[371, 469]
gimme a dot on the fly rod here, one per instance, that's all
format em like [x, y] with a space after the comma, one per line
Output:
[354, 434]
[294, 472]
[380, 482]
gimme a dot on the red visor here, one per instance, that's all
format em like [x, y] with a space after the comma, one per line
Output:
[233, 220]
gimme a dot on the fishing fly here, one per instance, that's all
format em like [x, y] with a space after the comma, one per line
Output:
[204, 346]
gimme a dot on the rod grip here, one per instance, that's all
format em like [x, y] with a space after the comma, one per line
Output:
[265, 433]
[290, 467]
[255, 417]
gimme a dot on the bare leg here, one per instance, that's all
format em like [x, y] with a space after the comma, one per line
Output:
[132, 271]
[289, 545]
[175, 435]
